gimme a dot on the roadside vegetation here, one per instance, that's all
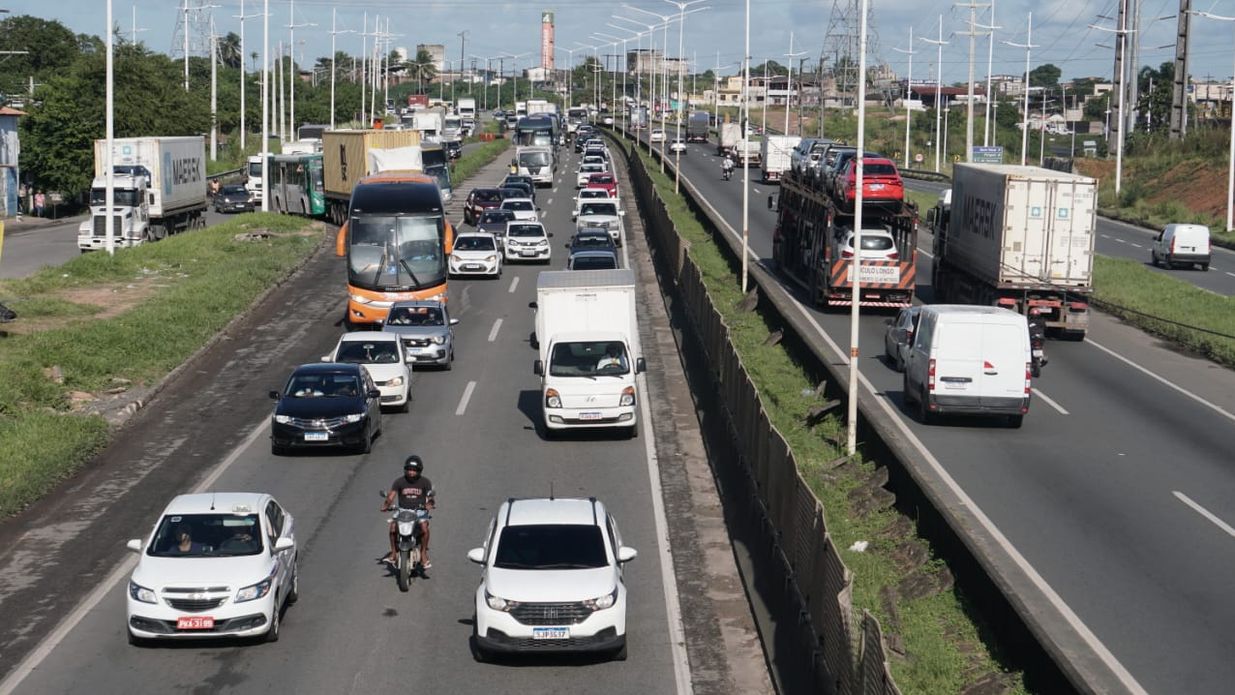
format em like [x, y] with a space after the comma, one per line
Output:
[937, 643]
[478, 158]
[99, 328]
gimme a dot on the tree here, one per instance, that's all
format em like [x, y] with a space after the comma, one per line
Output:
[229, 50]
[424, 67]
[1046, 75]
[50, 48]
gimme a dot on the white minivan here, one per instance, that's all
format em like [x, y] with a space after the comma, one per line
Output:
[969, 360]
[1181, 244]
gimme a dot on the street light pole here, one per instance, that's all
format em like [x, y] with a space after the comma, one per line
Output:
[1028, 46]
[987, 127]
[973, 35]
[746, 154]
[243, 81]
[265, 102]
[908, 93]
[334, 32]
[677, 175]
[109, 175]
[855, 265]
[939, 43]
[788, 87]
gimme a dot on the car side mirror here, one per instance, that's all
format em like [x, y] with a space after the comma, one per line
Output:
[134, 544]
[325, 358]
[771, 203]
[531, 305]
[374, 393]
[621, 213]
[538, 368]
[274, 395]
[625, 554]
[454, 322]
[641, 366]
[476, 555]
[548, 233]
[283, 544]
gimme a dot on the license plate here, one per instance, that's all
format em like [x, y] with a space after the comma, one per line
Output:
[316, 436]
[876, 186]
[589, 416]
[527, 253]
[550, 633]
[195, 622]
[472, 266]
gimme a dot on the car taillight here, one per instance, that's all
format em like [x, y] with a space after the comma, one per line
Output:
[930, 375]
[893, 256]
[1028, 376]
[846, 254]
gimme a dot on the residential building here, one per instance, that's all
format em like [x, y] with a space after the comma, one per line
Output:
[642, 60]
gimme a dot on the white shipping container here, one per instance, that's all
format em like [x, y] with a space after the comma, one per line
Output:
[1021, 225]
[176, 167]
[730, 134]
[585, 301]
[774, 154]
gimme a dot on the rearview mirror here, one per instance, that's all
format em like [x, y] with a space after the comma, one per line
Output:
[274, 395]
[454, 322]
[476, 555]
[548, 233]
[325, 358]
[538, 368]
[374, 393]
[641, 366]
[625, 554]
[134, 544]
[531, 305]
[283, 544]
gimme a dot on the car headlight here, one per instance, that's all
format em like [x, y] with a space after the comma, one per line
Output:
[283, 419]
[353, 417]
[628, 396]
[552, 399]
[439, 340]
[491, 259]
[440, 297]
[258, 590]
[360, 299]
[602, 602]
[141, 593]
[498, 603]
[397, 381]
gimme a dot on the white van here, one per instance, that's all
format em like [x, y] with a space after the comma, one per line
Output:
[1181, 244]
[969, 360]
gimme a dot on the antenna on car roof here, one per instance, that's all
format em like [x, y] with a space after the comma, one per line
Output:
[212, 501]
[550, 490]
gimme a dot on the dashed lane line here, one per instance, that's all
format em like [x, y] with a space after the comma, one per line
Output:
[467, 396]
[497, 326]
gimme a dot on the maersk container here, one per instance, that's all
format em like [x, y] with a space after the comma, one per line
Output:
[1014, 225]
[174, 168]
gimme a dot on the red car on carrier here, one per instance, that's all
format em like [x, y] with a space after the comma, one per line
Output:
[881, 184]
[606, 181]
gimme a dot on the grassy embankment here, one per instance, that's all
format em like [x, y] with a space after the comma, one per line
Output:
[474, 161]
[945, 652]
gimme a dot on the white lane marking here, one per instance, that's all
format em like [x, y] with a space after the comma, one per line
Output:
[467, 396]
[513, 284]
[549, 202]
[497, 326]
[1163, 380]
[756, 191]
[1213, 518]
[1121, 241]
[1065, 611]
[1137, 245]
[1231, 274]
[70, 622]
[1051, 402]
[1105, 236]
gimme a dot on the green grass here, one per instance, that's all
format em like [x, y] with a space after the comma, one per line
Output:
[1128, 283]
[196, 284]
[474, 161]
[942, 639]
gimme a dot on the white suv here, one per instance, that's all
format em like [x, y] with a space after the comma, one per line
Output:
[552, 580]
[215, 565]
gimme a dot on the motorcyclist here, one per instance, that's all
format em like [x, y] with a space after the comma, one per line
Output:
[412, 491]
[726, 166]
[1037, 336]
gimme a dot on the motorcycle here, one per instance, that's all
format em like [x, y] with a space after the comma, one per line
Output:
[407, 543]
[1037, 351]
[726, 174]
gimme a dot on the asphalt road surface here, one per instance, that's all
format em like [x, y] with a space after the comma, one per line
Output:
[1118, 490]
[352, 630]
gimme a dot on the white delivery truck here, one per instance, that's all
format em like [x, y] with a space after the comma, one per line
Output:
[253, 178]
[466, 107]
[730, 135]
[588, 336]
[160, 189]
[774, 155]
[1019, 237]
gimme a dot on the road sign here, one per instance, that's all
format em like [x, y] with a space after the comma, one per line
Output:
[918, 158]
[987, 155]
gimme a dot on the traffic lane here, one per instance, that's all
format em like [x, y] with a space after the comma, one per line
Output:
[352, 628]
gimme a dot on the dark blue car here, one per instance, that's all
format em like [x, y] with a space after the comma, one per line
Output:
[326, 405]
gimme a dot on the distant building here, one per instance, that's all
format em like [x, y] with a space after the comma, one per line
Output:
[437, 52]
[643, 60]
[10, 151]
[546, 41]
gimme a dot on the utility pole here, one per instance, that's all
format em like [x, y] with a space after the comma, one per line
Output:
[764, 123]
[109, 182]
[908, 93]
[987, 126]
[333, 32]
[364, 74]
[939, 44]
[973, 35]
[292, 26]
[745, 158]
[135, 30]
[214, 93]
[243, 81]
[1122, 32]
[278, 93]
[462, 45]
[1028, 46]
[789, 84]
[185, 10]
[855, 266]
[1179, 92]
[265, 102]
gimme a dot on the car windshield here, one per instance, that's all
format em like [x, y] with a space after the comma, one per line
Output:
[487, 195]
[502, 216]
[396, 252]
[533, 159]
[233, 189]
[593, 262]
[602, 179]
[550, 547]
[207, 535]
[525, 230]
[368, 352]
[415, 316]
[598, 209]
[474, 243]
[879, 170]
[594, 168]
[255, 169]
[521, 205]
[323, 385]
[122, 197]
[589, 358]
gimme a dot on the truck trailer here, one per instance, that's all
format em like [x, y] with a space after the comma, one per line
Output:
[774, 155]
[1019, 237]
[346, 160]
[697, 126]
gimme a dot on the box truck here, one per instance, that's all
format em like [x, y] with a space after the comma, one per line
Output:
[587, 334]
[730, 135]
[775, 152]
[1020, 237]
[160, 189]
[697, 125]
[346, 160]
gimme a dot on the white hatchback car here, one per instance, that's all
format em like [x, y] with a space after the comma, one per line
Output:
[586, 171]
[552, 580]
[877, 245]
[657, 135]
[527, 241]
[215, 565]
[476, 254]
[384, 357]
[524, 209]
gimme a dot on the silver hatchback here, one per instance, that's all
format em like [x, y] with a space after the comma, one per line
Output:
[427, 331]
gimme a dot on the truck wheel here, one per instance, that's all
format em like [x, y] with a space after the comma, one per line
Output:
[1204, 267]
[1015, 421]
[1153, 258]
[925, 416]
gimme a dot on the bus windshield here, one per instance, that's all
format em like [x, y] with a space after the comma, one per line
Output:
[396, 253]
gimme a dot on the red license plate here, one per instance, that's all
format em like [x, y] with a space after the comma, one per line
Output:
[195, 622]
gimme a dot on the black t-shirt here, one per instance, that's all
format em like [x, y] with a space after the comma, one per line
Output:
[412, 494]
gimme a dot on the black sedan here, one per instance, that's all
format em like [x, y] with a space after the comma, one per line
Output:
[326, 405]
[233, 198]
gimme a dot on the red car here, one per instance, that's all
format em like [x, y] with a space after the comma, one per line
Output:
[479, 200]
[881, 183]
[606, 181]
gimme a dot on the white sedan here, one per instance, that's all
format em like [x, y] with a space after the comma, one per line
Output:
[217, 565]
[657, 135]
[586, 171]
[678, 146]
[384, 358]
[476, 253]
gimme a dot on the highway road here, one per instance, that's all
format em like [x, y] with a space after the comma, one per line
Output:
[352, 630]
[1118, 490]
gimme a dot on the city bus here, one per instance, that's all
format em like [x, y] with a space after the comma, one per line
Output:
[296, 184]
[396, 240]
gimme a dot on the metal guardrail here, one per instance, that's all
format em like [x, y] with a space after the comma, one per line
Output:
[224, 174]
[924, 175]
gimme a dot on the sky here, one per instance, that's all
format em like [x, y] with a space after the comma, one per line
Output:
[494, 27]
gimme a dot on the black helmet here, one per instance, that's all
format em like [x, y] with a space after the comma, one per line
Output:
[414, 462]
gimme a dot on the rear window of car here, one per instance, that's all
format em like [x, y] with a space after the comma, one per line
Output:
[550, 547]
[597, 262]
[488, 195]
[517, 205]
[880, 169]
[876, 242]
[497, 216]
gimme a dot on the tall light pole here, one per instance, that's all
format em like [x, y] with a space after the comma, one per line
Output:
[462, 49]
[185, 11]
[570, 75]
[292, 26]
[214, 93]
[651, 73]
[677, 158]
[745, 154]
[855, 265]
[1028, 46]
[973, 35]
[625, 70]
[109, 180]
[134, 31]
[243, 81]
[939, 44]
[908, 93]
[265, 102]
[1230, 171]
[789, 84]
[1122, 32]
[987, 126]
[364, 72]
[334, 31]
